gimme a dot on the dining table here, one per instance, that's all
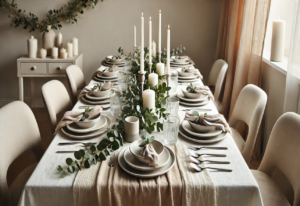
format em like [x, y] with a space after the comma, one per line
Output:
[45, 186]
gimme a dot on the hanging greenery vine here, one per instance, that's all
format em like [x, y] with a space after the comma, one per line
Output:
[67, 13]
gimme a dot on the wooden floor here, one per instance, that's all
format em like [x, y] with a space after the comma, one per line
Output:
[27, 158]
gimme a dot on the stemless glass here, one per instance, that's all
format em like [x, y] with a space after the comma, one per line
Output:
[115, 104]
[172, 106]
[123, 78]
[173, 82]
[170, 129]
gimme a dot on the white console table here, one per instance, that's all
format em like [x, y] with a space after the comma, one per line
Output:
[48, 67]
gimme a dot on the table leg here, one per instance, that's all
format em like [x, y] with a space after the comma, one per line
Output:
[21, 89]
[32, 92]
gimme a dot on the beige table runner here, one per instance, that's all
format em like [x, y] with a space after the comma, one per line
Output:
[102, 185]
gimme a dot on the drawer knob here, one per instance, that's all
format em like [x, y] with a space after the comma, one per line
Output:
[33, 68]
[58, 68]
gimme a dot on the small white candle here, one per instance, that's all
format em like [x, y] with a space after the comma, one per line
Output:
[70, 49]
[62, 53]
[134, 36]
[153, 79]
[75, 46]
[153, 48]
[54, 52]
[59, 40]
[159, 33]
[278, 38]
[65, 55]
[142, 45]
[150, 43]
[160, 69]
[148, 99]
[168, 51]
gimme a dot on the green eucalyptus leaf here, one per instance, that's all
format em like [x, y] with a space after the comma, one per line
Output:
[102, 156]
[87, 164]
[69, 161]
[142, 144]
[62, 174]
[115, 145]
[82, 152]
[78, 155]
[152, 139]
[93, 148]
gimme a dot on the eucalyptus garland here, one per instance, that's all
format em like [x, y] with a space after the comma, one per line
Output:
[67, 13]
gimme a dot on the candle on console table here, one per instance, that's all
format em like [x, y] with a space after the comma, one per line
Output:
[75, 46]
[142, 45]
[153, 79]
[59, 39]
[160, 69]
[159, 33]
[153, 48]
[70, 49]
[168, 51]
[278, 38]
[148, 99]
[63, 53]
[150, 43]
[54, 52]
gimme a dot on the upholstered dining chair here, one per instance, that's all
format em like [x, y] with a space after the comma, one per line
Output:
[216, 79]
[57, 100]
[249, 108]
[282, 153]
[19, 132]
[76, 81]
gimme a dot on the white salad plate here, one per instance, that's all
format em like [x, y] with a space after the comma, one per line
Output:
[92, 97]
[106, 80]
[114, 63]
[136, 164]
[187, 78]
[182, 97]
[104, 63]
[187, 127]
[187, 62]
[146, 174]
[194, 104]
[201, 140]
[101, 123]
[98, 102]
[106, 77]
[76, 135]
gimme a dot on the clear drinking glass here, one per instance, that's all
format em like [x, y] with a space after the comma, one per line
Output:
[172, 106]
[173, 82]
[115, 104]
[123, 78]
[170, 129]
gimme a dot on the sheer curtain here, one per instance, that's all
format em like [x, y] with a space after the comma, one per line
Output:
[292, 89]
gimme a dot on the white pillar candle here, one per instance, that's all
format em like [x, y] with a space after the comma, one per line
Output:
[59, 39]
[75, 46]
[153, 48]
[70, 49]
[43, 53]
[54, 52]
[153, 79]
[142, 45]
[65, 55]
[150, 43]
[159, 33]
[278, 38]
[160, 69]
[168, 51]
[148, 99]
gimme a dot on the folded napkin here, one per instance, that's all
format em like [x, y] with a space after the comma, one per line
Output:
[75, 116]
[150, 155]
[204, 90]
[217, 120]
[114, 68]
[196, 72]
[85, 90]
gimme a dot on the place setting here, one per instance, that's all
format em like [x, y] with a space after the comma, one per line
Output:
[114, 60]
[188, 74]
[180, 61]
[107, 74]
[99, 94]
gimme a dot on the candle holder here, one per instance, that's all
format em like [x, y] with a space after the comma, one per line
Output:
[150, 67]
[168, 82]
[142, 81]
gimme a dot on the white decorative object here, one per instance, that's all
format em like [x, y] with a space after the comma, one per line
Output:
[168, 51]
[148, 99]
[134, 36]
[63, 52]
[150, 41]
[59, 40]
[278, 38]
[75, 46]
[142, 45]
[153, 48]
[43, 53]
[65, 55]
[132, 128]
[153, 79]
[70, 50]
[159, 36]
[160, 69]
[54, 53]
[48, 40]
[32, 46]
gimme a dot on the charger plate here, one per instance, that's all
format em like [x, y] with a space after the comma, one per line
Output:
[92, 97]
[101, 123]
[195, 104]
[187, 127]
[95, 102]
[182, 97]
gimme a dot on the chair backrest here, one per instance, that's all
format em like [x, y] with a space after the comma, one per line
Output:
[56, 99]
[217, 77]
[76, 80]
[249, 108]
[19, 132]
[283, 151]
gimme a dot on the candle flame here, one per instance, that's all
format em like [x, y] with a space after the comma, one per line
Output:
[150, 18]
[169, 26]
[142, 13]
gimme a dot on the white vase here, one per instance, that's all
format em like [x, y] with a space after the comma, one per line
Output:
[32, 46]
[48, 40]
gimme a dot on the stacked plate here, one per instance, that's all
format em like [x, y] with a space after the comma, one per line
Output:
[180, 62]
[186, 77]
[74, 131]
[104, 78]
[96, 100]
[109, 61]
[188, 100]
[208, 137]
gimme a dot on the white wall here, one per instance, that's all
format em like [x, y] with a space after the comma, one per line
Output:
[101, 31]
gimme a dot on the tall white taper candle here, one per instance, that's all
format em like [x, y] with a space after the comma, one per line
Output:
[159, 33]
[278, 38]
[142, 45]
[150, 43]
[168, 51]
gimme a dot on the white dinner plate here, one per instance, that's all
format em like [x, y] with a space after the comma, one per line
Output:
[194, 104]
[105, 77]
[187, 78]
[114, 63]
[92, 97]
[109, 65]
[181, 63]
[101, 123]
[201, 140]
[97, 102]
[134, 163]
[86, 135]
[182, 97]
[146, 174]
[102, 80]
[187, 127]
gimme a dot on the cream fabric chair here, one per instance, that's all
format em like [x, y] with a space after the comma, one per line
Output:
[249, 108]
[282, 153]
[216, 79]
[19, 132]
[57, 100]
[76, 81]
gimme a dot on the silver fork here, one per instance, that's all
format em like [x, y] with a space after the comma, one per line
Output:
[196, 155]
[198, 162]
[200, 169]
[197, 109]
[111, 160]
[204, 147]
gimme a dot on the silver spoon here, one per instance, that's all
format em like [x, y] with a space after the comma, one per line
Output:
[200, 169]
[197, 162]
[204, 147]
[196, 155]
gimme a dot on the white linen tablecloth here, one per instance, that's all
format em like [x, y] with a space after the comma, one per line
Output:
[46, 188]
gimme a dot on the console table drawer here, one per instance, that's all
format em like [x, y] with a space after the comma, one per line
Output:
[33, 68]
[58, 68]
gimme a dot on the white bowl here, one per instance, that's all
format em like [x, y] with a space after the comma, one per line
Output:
[184, 74]
[101, 93]
[111, 74]
[110, 58]
[88, 123]
[182, 60]
[136, 150]
[190, 95]
[201, 128]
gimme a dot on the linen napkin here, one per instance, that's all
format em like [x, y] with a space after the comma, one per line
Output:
[150, 155]
[114, 68]
[75, 116]
[204, 90]
[195, 71]
[217, 120]
[87, 89]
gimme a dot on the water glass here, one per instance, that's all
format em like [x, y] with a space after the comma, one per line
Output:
[115, 104]
[173, 82]
[170, 129]
[123, 78]
[172, 106]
